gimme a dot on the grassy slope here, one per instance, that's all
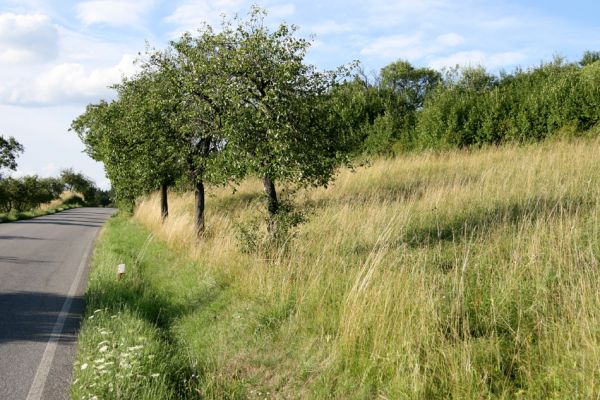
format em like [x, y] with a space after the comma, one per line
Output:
[463, 274]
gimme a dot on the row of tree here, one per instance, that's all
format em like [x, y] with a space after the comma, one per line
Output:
[218, 106]
[29, 192]
[215, 107]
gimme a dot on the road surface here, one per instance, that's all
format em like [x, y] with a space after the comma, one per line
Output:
[43, 271]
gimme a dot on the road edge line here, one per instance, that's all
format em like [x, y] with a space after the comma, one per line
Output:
[39, 381]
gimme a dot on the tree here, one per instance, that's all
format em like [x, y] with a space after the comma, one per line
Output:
[74, 181]
[277, 119]
[355, 105]
[403, 89]
[102, 128]
[409, 83]
[28, 192]
[147, 124]
[9, 151]
[589, 57]
[78, 182]
[195, 73]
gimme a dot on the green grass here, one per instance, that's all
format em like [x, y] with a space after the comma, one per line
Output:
[125, 346]
[464, 274]
[162, 302]
[16, 216]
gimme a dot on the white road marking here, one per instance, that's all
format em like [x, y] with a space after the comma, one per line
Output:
[39, 381]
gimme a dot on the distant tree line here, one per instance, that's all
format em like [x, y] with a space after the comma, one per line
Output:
[406, 108]
[218, 106]
[29, 192]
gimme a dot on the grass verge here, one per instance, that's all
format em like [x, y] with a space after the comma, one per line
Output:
[464, 274]
[125, 346]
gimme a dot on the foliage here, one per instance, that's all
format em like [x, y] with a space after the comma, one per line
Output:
[100, 129]
[383, 111]
[472, 107]
[9, 150]
[215, 106]
[589, 57]
[28, 192]
[252, 240]
[278, 125]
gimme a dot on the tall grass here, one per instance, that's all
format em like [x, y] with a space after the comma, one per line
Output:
[464, 274]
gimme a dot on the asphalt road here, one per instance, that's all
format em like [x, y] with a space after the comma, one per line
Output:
[43, 272]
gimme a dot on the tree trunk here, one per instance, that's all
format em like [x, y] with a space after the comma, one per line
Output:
[164, 203]
[272, 202]
[199, 209]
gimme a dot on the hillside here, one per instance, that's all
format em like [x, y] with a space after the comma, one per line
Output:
[461, 274]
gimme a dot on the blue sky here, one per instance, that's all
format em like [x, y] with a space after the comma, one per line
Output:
[56, 56]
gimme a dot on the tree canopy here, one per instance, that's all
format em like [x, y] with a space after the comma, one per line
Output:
[9, 151]
[214, 107]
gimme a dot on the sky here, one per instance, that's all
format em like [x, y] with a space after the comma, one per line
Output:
[57, 56]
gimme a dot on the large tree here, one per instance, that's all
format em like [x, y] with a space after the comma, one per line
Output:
[133, 137]
[195, 71]
[404, 88]
[99, 129]
[277, 115]
[147, 123]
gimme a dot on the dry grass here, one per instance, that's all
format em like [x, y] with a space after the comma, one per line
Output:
[466, 274]
[58, 202]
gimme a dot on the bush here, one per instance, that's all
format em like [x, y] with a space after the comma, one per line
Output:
[474, 108]
[252, 239]
[28, 192]
[73, 200]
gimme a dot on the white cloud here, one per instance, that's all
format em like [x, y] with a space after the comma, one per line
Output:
[400, 46]
[330, 26]
[400, 13]
[450, 39]
[477, 57]
[500, 23]
[113, 12]
[26, 38]
[280, 11]
[192, 14]
[67, 83]
[49, 169]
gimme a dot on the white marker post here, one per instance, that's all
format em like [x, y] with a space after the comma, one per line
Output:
[120, 271]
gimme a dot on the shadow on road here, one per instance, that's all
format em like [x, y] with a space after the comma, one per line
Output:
[76, 217]
[20, 261]
[11, 237]
[31, 316]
